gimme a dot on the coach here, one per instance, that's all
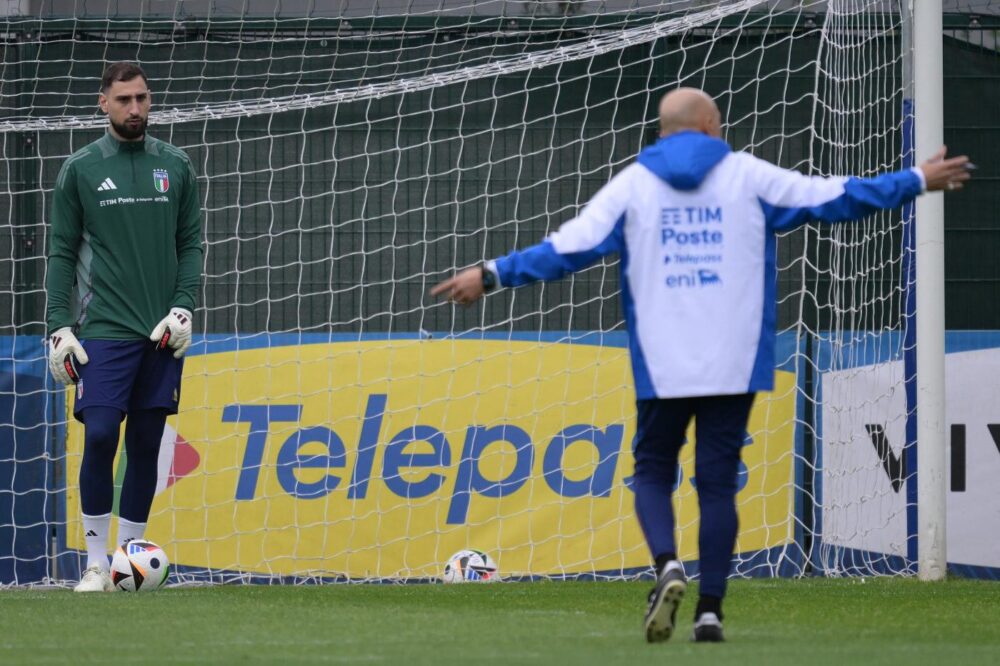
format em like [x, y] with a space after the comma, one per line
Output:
[695, 224]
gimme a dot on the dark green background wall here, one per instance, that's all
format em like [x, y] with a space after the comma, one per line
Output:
[340, 218]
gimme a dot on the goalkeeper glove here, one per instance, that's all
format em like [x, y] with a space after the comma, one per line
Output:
[65, 352]
[173, 331]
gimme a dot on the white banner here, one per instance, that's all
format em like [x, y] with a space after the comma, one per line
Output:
[863, 432]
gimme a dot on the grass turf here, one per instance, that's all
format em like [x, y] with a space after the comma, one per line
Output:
[803, 622]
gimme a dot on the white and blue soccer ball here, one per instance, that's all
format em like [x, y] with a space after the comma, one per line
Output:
[467, 566]
[139, 566]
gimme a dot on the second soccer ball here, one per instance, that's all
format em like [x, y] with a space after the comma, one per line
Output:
[470, 566]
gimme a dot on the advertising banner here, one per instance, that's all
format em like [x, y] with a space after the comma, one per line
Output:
[382, 458]
[864, 468]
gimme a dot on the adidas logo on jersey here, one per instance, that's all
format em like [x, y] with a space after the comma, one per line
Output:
[90, 533]
[108, 184]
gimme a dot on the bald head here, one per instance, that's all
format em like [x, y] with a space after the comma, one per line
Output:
[689, 109]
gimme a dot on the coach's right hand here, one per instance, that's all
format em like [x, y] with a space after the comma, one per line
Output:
[946, 174]
[65, 352]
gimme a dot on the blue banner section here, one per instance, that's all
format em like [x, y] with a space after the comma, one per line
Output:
[29, 493]
[909, 286]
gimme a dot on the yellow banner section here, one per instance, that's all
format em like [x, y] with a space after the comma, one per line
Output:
[381, 459]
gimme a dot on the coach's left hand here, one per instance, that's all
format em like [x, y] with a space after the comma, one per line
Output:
[464, 288]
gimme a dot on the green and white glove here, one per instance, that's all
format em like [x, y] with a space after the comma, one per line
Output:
[174, 331]
[65, 352]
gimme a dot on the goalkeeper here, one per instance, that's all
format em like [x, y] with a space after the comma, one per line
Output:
[124, 268]
[695, 223]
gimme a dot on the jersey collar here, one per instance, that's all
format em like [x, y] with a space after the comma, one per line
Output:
[124, 146]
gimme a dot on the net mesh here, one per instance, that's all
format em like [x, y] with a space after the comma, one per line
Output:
[336, 423]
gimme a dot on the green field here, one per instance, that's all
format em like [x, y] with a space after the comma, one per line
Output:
[803, 622]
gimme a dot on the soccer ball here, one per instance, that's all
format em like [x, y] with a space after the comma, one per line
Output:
[139, 566]
[470, 565]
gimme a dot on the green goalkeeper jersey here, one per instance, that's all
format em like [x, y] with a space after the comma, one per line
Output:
[124, 239]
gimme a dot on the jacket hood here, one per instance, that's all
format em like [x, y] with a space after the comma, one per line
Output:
[684, 158]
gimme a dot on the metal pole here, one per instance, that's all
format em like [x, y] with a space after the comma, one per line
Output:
[929, 135]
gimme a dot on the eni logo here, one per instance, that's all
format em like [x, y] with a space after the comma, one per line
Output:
[702, 277]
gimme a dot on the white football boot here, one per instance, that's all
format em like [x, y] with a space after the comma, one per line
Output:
[95, 579]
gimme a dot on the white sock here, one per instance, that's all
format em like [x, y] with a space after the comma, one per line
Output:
[127, 530]
[95, 532]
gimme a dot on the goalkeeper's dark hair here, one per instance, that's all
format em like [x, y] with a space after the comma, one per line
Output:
[121, 71]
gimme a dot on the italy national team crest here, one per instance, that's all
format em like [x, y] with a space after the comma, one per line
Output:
[161, 180]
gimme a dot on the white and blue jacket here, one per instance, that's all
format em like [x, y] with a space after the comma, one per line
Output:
[695, 226]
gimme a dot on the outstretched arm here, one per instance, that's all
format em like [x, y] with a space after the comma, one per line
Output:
[596, 232]
[790, 198]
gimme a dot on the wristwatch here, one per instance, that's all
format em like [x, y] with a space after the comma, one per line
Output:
[489, 279]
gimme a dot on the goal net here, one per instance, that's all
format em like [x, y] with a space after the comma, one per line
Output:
[338, 424]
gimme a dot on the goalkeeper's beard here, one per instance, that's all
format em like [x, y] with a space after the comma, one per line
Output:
[130, 132]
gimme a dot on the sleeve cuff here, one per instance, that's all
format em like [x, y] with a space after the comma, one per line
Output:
[491, 266]
[920, 175]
